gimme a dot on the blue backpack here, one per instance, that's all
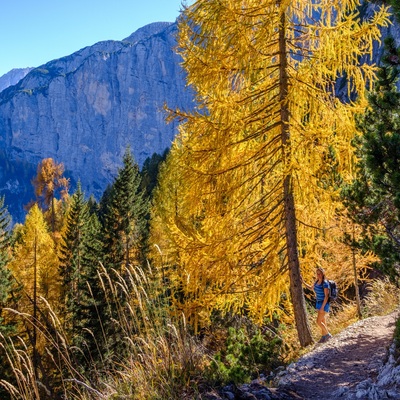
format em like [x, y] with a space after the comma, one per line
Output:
[333, 290]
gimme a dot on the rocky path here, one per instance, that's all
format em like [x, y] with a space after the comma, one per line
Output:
[358, 363]
[349, 366]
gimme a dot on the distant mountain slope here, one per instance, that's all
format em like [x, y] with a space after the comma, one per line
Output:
[12, 77]
[84, 109]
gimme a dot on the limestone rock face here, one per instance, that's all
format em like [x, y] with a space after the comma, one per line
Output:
[84, 109]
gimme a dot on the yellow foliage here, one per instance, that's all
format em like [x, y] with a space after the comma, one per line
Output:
[50, 178]
[35, 249]
[265, 76]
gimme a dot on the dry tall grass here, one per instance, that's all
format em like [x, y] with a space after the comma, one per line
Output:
[162, 362]
[383, 297]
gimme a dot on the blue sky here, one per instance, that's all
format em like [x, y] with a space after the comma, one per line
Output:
[33, 32]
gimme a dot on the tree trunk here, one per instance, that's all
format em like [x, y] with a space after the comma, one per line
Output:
[358, 301]
[35, 357]
[53, 215]
[296, 290]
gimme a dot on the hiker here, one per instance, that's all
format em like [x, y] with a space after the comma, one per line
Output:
[321, 289]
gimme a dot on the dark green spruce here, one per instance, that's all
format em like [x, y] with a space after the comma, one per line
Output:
[150, 170]
[123, 212]
[81, 296]
[374, 197]
[124, 220]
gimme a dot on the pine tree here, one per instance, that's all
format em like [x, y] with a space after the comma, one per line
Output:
[373, 199]
[257, 158]
[396, 8]
[81, 296]
[124, 218]
[7, 325]
[94, 207]
[71, 254]
[149, 172]
[92, 305]
[123, 214]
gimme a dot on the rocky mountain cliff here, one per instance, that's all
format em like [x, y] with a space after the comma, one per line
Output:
[84, 109]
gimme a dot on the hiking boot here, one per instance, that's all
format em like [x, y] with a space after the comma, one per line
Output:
[323, 339]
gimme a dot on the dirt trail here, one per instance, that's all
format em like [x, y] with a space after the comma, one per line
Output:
[352, 356]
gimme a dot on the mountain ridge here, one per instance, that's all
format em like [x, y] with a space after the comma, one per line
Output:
[142, 33]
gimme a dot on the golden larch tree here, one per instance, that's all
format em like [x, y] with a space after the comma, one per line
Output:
[50, 179]
[35, 262]
[262, 158]
[35, 268]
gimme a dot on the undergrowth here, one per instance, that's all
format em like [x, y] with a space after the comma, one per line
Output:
[164, 360]
[245, 356]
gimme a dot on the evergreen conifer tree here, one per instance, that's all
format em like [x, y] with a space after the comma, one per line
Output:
[123, 211]
[81, 254]
[6, 326]
[150, 170]
[91, 309]
[93, 206]
[125, 218]
[71, 254]
[373, 199]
